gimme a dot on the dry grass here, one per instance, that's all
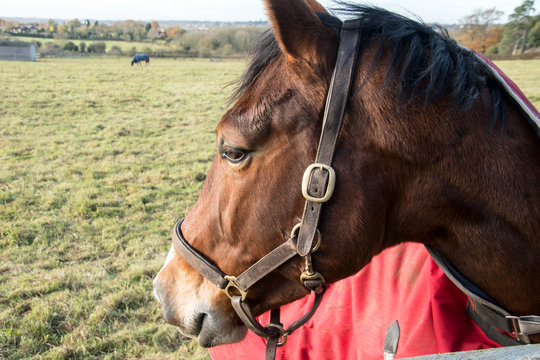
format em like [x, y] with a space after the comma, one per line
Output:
[526, 74]
[99, 159]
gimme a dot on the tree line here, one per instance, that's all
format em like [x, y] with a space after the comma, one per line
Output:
[480, 31]
[91, 37]
[521, 35]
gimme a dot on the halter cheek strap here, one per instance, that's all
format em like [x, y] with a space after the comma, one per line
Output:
[319, 178]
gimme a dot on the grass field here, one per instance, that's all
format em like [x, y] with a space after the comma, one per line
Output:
[98, 161]
[526, 74]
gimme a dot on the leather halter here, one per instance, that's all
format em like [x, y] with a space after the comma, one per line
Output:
[317, 187]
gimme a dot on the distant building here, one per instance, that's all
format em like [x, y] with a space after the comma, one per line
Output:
[17, 51]
[25, 29]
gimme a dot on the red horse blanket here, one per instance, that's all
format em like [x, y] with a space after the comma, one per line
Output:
[402, 283]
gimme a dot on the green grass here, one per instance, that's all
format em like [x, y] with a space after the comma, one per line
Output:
[98, 161]
[526, 74]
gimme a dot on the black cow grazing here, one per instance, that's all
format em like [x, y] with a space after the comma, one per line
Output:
[138, 58]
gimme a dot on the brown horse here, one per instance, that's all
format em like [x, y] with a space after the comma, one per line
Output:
[431, 151]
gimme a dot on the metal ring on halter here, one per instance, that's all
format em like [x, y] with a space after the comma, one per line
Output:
[317, 243]
[232, 284]
[282, 333]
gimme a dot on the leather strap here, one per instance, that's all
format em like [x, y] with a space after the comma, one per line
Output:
[244, 281]
[267, 264]
[244, 312]
[336, 103]
[272, 342]
[195, 260]
[271, 348]
[274, 330]
[491, 331]
[528, 325]
[316, 302]
[490, 317]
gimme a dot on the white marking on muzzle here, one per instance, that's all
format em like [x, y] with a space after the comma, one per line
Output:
[170, 256]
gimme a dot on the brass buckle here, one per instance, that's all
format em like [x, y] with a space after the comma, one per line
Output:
[232, 284]
[329, 187]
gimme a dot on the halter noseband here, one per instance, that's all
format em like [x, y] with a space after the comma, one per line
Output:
[317, 187]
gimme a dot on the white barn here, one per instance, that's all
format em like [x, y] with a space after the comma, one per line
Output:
[17, 50]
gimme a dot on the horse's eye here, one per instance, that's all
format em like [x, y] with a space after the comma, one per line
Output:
[233, 155]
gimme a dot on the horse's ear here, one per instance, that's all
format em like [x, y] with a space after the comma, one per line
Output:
[299, 31]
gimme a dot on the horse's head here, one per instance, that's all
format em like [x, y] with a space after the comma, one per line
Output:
[388, 157]
[252, 198]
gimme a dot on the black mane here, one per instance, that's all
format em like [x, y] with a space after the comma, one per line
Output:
[424, 60]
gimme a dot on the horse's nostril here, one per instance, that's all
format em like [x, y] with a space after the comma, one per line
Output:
[199, 323]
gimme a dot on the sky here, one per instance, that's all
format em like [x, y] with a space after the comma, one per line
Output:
[431, 11]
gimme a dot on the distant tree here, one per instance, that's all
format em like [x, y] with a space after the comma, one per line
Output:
[147, 50]
[9, 25]
[104, 32]
[81, 32]
[70, 46]
[132, 51]
[71, 28]
[242, 40]
[172, 32]
[516, 32]
[131, 30]
[115, 50]
[97, 47]
[154, 30]
[154, 25]
[82, 46]
[521, 19]
[50, 48]
[478, 31]
[227, 50]
[533, 39]
[51, 26]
